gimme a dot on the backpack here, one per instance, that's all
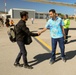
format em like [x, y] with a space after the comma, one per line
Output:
[12, 34]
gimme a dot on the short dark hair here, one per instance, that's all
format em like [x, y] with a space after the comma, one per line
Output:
[23, 13]
[52, 10]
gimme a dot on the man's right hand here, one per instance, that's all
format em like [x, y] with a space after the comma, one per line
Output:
[39, 33]
[64, 37]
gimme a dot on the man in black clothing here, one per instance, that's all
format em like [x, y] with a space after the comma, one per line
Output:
[22, 31]
[7, 22]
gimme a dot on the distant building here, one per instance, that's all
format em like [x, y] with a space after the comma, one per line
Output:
[15, 13]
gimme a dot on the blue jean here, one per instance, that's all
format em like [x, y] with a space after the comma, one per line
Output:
[61, 45]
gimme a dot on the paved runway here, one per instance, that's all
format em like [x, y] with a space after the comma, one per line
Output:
[38, 53]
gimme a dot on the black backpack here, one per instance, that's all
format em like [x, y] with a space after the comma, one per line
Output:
[12, 34]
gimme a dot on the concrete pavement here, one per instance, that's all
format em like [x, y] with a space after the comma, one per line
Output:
[38, 53]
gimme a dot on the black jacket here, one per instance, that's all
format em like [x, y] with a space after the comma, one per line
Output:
[22, 31]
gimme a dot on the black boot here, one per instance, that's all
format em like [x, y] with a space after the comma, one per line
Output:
[28, 66]
[18, 64]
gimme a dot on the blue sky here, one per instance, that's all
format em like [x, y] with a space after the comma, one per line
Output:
[39, 7]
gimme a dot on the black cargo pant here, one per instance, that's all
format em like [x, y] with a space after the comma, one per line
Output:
[66, 33]
[22, 52]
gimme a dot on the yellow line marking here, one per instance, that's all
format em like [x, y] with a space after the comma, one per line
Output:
[45, 44]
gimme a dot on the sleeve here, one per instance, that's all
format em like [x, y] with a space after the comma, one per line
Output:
[47, 24]
[25, 29]
[62, 23]
[28, 32]
[33, 34]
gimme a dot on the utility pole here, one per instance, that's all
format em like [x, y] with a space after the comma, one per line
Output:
[5, 12]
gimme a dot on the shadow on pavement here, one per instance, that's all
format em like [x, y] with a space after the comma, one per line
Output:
[46, 56]
[40, 58]
[34, 31]
[72, 41]
[69, 36]
[70, 54]
[72, 28]
[40, 28]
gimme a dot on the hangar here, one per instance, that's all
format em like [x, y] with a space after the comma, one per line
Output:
[15, 13]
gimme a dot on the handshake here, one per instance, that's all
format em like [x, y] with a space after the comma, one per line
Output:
[35, 34]
[39, 33]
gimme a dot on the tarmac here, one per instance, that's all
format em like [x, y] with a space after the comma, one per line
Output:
[39, 53]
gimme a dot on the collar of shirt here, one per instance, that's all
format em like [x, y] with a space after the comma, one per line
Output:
[55, 18]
